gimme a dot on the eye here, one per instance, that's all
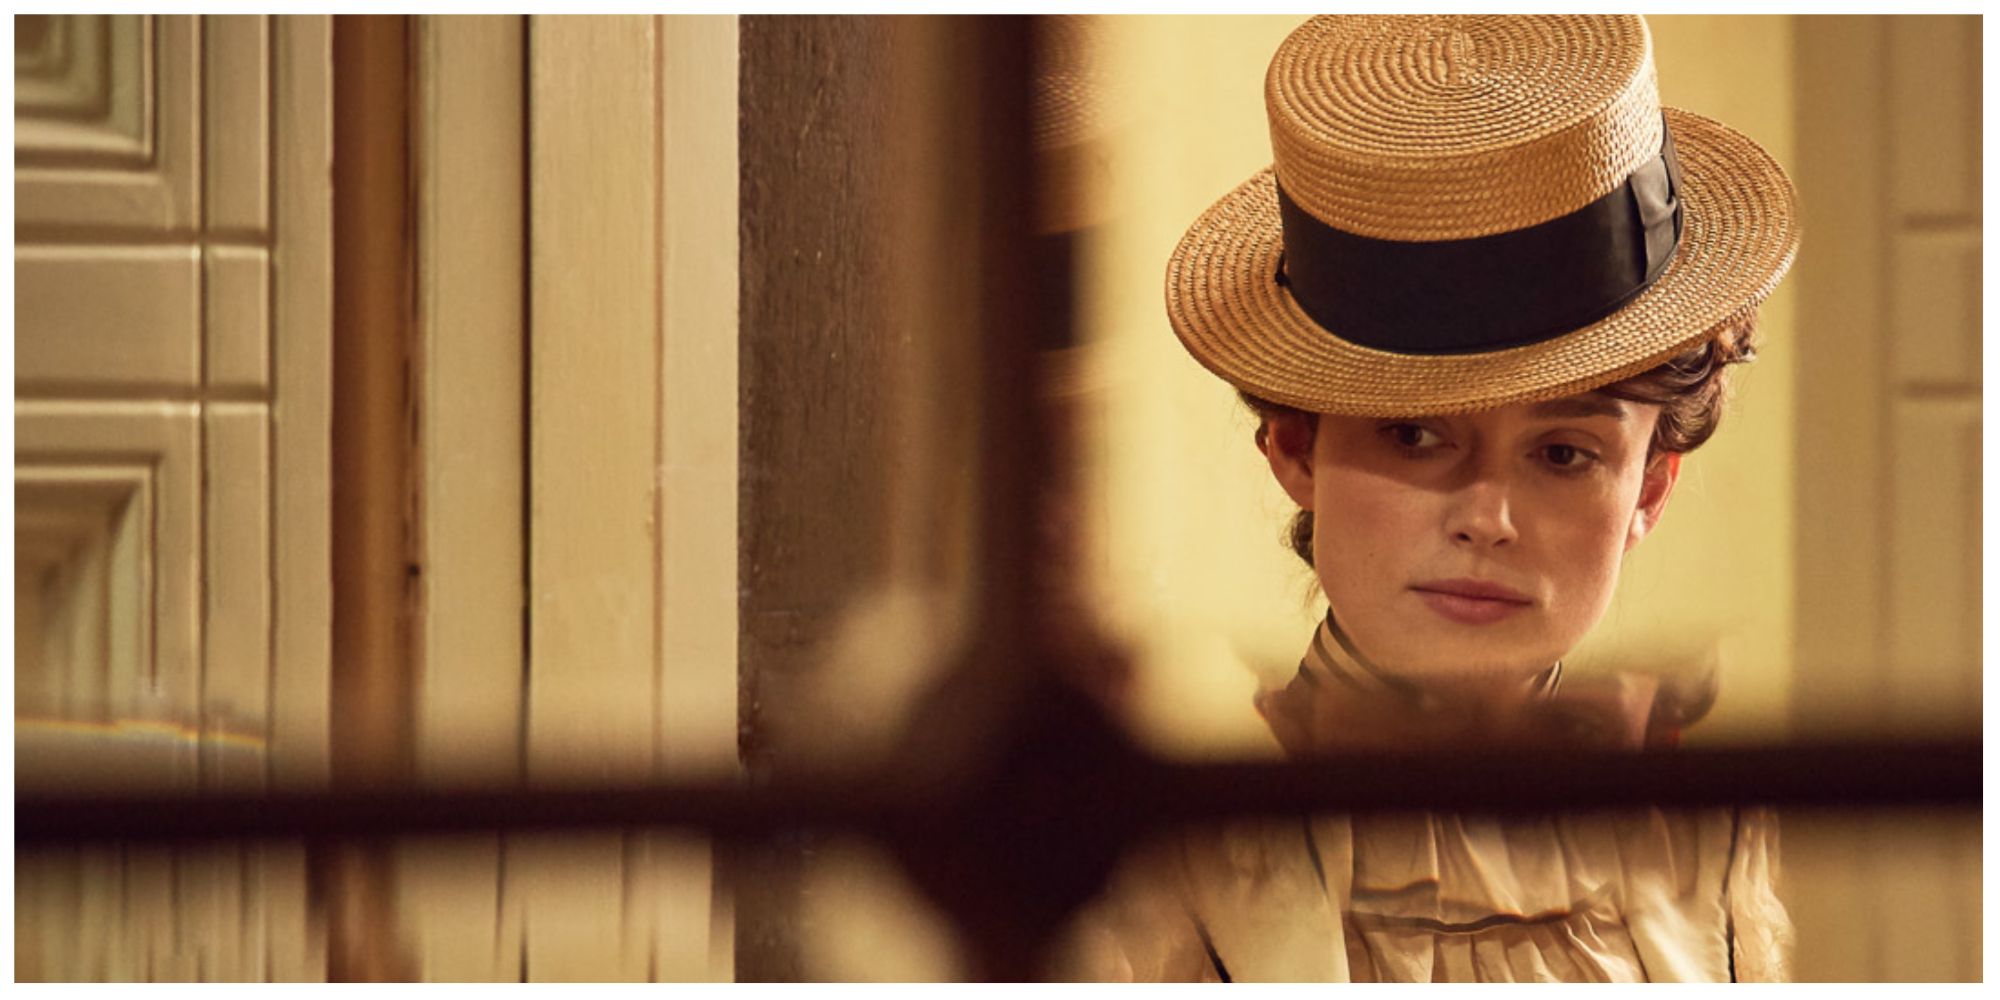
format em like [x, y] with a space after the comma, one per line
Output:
[1413, 438]
[1568, 457]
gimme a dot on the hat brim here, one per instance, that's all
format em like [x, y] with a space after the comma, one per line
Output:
[1739, 235]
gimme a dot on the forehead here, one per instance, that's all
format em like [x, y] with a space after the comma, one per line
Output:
[1597, 413]
[1581, 405]
[1588, 404]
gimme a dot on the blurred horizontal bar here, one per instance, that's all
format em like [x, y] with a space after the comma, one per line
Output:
[1844, 774]
[1129, 793]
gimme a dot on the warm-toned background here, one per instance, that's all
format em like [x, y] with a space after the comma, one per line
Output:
[680, 507]
[1189, 516]
[1821, 552]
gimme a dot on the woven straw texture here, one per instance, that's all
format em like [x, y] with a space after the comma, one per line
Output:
[1224, 302]
[1437, 128]
[1445, 128]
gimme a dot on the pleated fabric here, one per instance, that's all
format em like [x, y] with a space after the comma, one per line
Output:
[1636, 895]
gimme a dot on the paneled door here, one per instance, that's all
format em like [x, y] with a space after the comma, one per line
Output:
[1889, 492]
[172, 316]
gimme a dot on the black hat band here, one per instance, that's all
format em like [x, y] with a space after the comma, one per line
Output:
[1489, 292]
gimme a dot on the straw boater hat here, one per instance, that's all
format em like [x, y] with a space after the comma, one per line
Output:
[1467, 212]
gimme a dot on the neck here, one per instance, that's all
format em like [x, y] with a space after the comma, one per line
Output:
[1334, 652]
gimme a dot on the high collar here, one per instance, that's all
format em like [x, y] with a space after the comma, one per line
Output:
[1332, 658]
[1339, 702]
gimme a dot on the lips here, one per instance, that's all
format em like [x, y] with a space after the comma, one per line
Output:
[1472, 602]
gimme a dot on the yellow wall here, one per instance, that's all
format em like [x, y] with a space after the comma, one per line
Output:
[1187, 520]
[1717, 575]
[1191, 569]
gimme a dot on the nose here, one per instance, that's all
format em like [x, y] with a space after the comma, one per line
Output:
[1480, 513]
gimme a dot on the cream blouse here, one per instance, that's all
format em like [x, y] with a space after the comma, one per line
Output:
[1635, 895]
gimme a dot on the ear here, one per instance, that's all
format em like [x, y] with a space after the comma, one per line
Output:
[1286, 440]
[1661, 474]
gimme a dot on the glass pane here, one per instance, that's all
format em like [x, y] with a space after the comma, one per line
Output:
[1815, 575]
[1815, 572]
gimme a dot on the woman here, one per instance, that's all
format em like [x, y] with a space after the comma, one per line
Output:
[1482, 304]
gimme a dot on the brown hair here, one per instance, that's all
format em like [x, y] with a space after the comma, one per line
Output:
[1689, 389]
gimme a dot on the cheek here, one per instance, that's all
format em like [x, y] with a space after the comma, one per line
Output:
[1586, 550]
[1361, 521]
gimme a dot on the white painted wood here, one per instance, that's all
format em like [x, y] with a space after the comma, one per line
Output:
[1934, 567]
[1883, 896]
[160, 547]
[471, 200]
[59, 530]
[690, 937]
[295, 943]
[84, 543]
[593, 541]
[60, 70]
[511, 935]
[33, 878]
[1936, 296]
[207, 910]
[132, 610]
[236, 687]
[1964, 906]
[236, 138]
[676, 919]
[1815, 849]
[237, 320]
[83, 97]
[632, 451]
[249, 556]
[99, 897]
[697, 179]
[578, 907]
[1933, 614]
[28, 582]
[301, 411]
[449, 897]
[256, 927]
[106, 315]
[472, 259]
[148, 908]
[1934, 95]
[163, 193]
[1889, 515]
[96, 898]
[231, 906]
[1918, 896]
[1842, 129]
[165, 435]
[592, 436]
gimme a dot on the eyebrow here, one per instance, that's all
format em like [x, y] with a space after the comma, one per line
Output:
[1588, 405]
